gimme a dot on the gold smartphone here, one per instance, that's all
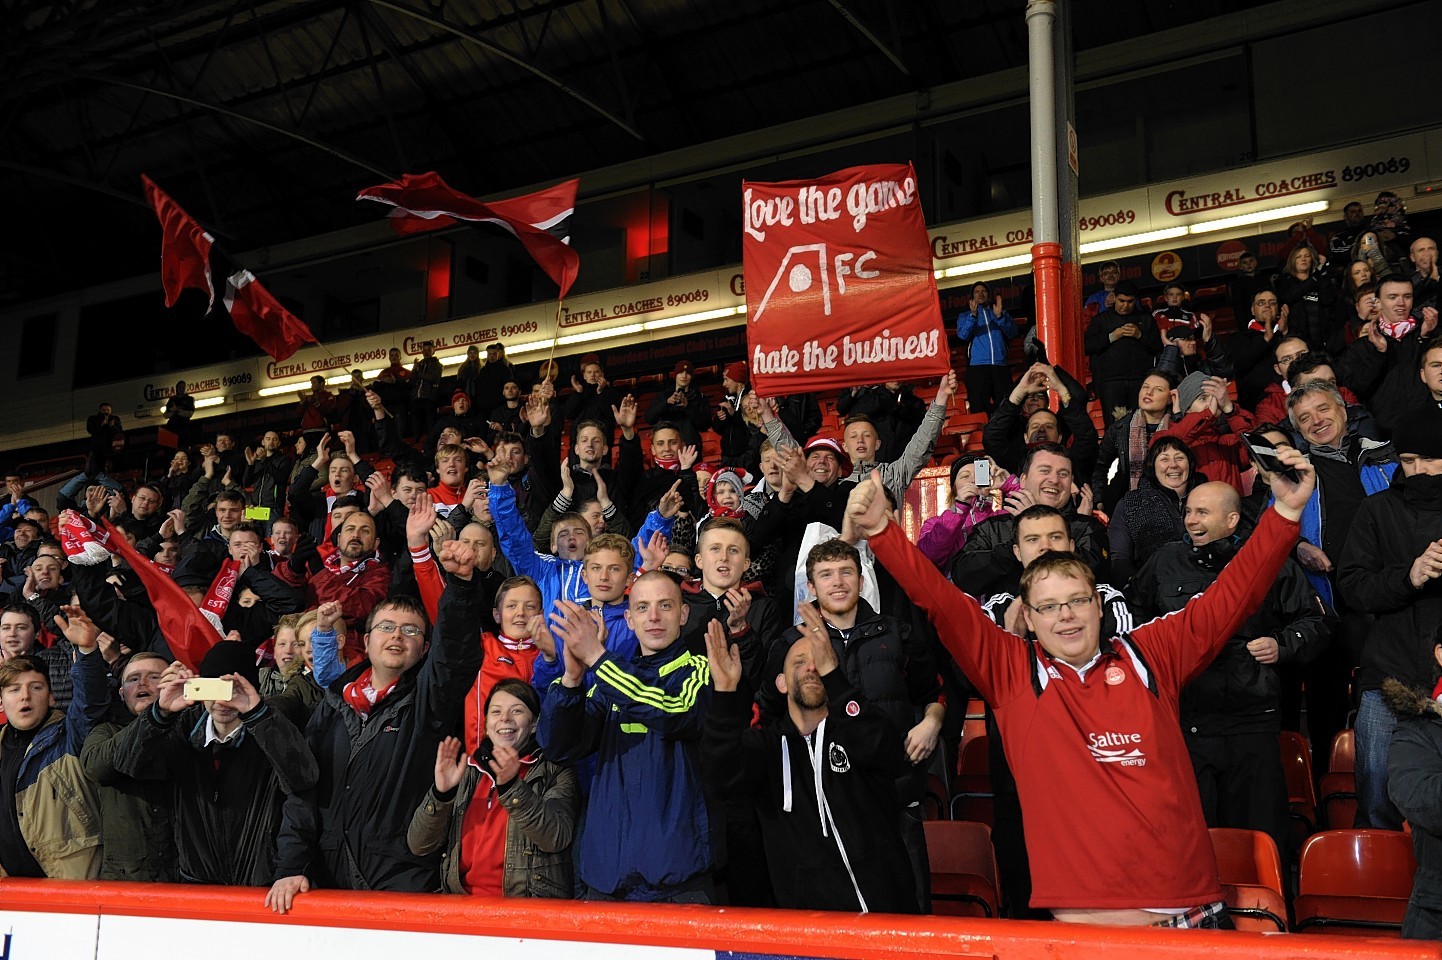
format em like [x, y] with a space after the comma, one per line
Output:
[208, 688]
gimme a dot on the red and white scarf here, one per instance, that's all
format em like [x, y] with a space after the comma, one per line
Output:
[336, 562]
[222, 588]
[362, 695]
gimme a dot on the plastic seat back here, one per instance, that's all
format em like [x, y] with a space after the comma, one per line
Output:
[963, 868]
[1355, 881]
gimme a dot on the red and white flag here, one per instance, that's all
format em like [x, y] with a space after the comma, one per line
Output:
[839, 282]
[540, 220]
[189, 259]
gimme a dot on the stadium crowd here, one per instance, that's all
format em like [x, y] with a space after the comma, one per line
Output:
[521, 635]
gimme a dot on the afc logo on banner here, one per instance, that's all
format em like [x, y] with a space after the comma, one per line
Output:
[797, 269]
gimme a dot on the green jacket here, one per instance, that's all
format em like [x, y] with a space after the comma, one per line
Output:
[541, 810]
[137, 821]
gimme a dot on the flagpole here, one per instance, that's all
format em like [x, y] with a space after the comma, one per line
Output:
[555, 332]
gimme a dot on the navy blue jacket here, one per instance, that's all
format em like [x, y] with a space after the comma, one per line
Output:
[647, 827]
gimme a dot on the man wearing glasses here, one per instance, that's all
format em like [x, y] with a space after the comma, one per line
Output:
[375, 736]
[1114, 826]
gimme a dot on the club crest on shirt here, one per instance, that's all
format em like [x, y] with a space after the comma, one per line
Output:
[837, 758]
[852, 708]
[1114, 675]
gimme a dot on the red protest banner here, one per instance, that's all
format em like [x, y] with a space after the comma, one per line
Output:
[839, 288]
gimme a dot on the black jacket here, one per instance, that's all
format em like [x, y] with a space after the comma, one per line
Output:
[690, 419]
[308, 506]
[640, 487]
[1235, 694]
[763, 620]
[1414, 767]
[1391, 529]
[1129, 358]
[350, 831]
[862, 755]
[1116, 446]
[892, 668]
[986, 564]
[1311, 307]
[137, 817]
[895, 415]
[1004, 440]
[227, 798]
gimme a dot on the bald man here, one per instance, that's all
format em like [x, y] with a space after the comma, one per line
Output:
[1230, 716]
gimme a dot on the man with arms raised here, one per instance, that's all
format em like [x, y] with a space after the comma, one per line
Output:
[374, 738]
[1099, 715]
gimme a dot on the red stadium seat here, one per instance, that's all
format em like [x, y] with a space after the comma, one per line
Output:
[1339, 785]
[1355, 882]
[971, 796]
[1251, 875]
[963, 868]
[1301, 793]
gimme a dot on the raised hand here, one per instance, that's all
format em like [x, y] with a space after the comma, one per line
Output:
[1292, 495]
[738, 605]
[322, 453]
[505, 763]
[541, 636]
[95, 499]
[78, 628]
[171, 695]
[419, 520]
[625, 414]
[457, 559]
[498, 472]
[653, 551]
[603, 496]
[243, 696]
[689, 456]
[823, 655]
[724, 658]
[568, 483]
[450, 765]
[329, 616]
[581, 634]
[867, 506]
[947, 389]
[671, 501]
[381, 493]
[476, 490]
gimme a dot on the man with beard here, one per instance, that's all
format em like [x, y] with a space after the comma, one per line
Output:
[354, 575]
[829, 824]
[987, 561]
[893, 669]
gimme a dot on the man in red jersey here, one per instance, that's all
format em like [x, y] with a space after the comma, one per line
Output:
[1091, 723]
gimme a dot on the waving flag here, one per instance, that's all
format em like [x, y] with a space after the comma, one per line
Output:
[189, 259]
[540, 220]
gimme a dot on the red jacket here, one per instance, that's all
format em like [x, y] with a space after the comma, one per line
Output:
[1216, 444]
[357, 594]
[1108, 796]
[1272, 408]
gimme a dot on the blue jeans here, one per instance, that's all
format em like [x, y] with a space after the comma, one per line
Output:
[1375, 722]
